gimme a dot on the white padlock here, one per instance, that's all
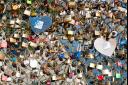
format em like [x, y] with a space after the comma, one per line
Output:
[12, 40]
[100, 67]
[12, 22]
[27, 12]
[33, 44]
[54, 77]
[18, 74]
[16, 35]
[25, 35]
[92, 65]
[24, 44]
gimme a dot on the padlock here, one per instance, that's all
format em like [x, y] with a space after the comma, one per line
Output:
[98, 14]
[12, 22]
[9, 79]
[15, 6]
[16, 35]
[68, 18]
[33, 63]
[110, 74]
[72, 4]
[33, 44]
[21, 56]
[54, 77]
[18, 74]
[1, 63]
[3, 44]
[18, 21]
[88, 15]
[92, 65]
[70, 32]
[80, 75]
[12, 40]
[4, 18]
[4, 78]
[105, 71]
[91, 56]
[24, 35]
[100, 67]
[27, 12]
[29, 1]
[24, 44]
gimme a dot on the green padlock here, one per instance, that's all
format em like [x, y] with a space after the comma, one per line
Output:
[29, 1]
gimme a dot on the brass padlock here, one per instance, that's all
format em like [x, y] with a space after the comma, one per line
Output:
[15, 6]
[72, 4]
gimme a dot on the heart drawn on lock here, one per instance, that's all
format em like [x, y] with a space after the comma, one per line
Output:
[106, 48]
[40, 24]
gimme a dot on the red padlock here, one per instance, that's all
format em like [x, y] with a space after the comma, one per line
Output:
[48, 82]
[100, 77]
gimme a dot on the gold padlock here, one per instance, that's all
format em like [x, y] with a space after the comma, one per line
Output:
[72, 4]
[15, 6]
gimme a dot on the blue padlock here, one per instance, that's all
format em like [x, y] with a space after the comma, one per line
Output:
[62, 56]
[77, 55]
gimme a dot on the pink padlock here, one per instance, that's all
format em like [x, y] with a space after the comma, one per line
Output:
[48, 82]
[71, 74]
[3, 44]
[4, 78]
